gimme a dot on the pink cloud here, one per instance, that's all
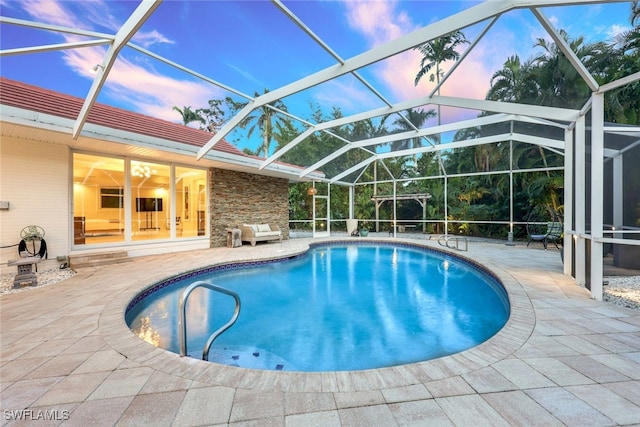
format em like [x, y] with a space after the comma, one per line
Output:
[381, 21]
[135, 84]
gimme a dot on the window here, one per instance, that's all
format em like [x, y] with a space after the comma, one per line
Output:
[155, 201]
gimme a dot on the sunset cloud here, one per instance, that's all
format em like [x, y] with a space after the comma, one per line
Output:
[129, 82]
[382, 21]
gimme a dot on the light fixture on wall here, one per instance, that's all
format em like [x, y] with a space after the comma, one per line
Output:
[312, 191]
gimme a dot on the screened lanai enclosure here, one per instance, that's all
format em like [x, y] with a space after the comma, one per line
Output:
[552, 132]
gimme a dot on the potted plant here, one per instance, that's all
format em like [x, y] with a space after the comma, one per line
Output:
[364, 230]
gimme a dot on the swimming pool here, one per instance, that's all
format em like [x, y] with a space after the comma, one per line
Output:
[338, 307]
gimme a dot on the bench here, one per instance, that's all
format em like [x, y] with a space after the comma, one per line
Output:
[401, 228]
[253, 233]
[25, 275]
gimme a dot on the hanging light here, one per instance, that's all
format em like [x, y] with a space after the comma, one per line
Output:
[312, 191]
[140, 170]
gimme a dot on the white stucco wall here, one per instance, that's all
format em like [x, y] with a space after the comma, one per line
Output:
[34, 179]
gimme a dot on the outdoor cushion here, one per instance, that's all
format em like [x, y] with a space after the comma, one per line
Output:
[266, 233]
[263, 228]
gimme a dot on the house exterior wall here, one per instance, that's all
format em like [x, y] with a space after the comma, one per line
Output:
[34, 179]
[238, 197]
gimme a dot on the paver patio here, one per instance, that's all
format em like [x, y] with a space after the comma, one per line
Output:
[562, 359]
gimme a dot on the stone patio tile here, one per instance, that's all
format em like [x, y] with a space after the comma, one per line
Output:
[253, 405]
[324, 419]
[72, 388]
[569, 409]
[630, 390]
[609, 343]
[157, 409]
[329, 382]
[22, 394]
[50, 348]
[487, 380]
[521, 374]
[366, 416]
[623, 365]
[631, 339]
[454, 386]
[519, 409]
[419, 413]
[358, 398]
[63, 364]
[406, 393]
[100, 412]
[580, 345]
[160, 382]
[15, 370]
[549, 346]
[593, 369]
[88, 343]
[260, 422]
[122, 382]
[299, 403]
[470, 410]
[611, 311]
[104, 360]
[12, 349]
[614, 406]
[605, 325]
[557, 371]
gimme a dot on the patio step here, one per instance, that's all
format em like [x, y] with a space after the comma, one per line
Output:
[98, 258]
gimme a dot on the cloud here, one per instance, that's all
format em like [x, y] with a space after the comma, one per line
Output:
[134, 83]
[50, 12]
[144, 90]
[150, 38]
[347, 93]
[615, 30]
[382, 21]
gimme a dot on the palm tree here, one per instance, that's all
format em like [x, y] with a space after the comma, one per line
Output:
[262, 119]
[189, 115]
[560, 83]
[416, 117]
[635, 12]
[513, 83]
[434, 53]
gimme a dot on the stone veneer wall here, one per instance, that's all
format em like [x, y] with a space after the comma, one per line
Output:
[239, 197]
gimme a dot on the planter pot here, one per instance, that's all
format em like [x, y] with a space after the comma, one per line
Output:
[364, 233]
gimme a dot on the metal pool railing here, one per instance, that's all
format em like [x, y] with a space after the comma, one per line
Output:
[182, 322]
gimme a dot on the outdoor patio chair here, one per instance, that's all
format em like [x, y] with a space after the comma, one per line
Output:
[550, 231]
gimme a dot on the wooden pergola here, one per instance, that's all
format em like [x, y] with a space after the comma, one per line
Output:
[418, 197]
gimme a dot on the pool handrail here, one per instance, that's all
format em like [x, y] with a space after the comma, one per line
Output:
[444, 240]
[182, 320]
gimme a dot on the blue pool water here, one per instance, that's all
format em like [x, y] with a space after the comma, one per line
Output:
[338, 307]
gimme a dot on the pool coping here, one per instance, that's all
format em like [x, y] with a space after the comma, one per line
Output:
[509, 339]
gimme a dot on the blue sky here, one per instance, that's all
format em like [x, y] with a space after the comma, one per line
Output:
[252, 46]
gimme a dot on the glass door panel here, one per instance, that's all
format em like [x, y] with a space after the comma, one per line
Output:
[150, 201]
[190, 201]
[98, 199]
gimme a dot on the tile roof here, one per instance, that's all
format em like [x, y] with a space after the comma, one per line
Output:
[34, 98]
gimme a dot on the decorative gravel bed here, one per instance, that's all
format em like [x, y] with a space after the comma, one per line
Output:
[45, 278]
[619, 290]
[623, 290]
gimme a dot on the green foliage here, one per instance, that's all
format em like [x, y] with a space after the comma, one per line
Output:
[547, 78]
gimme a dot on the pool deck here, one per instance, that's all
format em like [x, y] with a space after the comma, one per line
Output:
[562, 359]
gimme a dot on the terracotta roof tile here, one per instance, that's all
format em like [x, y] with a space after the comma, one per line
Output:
[34, 98]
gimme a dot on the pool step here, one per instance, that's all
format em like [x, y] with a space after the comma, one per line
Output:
[98, 258]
